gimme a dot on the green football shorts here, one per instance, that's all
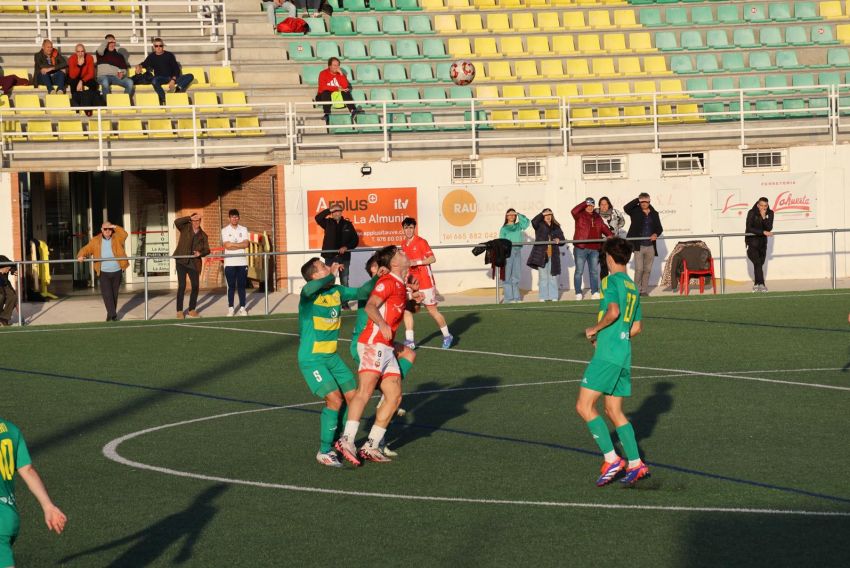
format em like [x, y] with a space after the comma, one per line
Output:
[9, 525]
[607, 378]
[326, 375]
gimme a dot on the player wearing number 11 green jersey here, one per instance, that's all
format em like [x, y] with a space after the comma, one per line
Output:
[609, 371]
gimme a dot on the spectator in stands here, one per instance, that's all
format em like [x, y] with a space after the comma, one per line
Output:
[235, 240]
[81, 77]
[615, 221]
[282, 5]
[646, 223]
[333, 80]
[513, 229]
[109, 244]
[340, 236]
[759, 225]
[545, 257]
[113, 63]
[8, 295]
[192, 242]
[49, 68]
[589, 226]
[165, 70]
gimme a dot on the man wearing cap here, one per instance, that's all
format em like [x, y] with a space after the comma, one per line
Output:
[589, 226]
[234, 239]
[108, 245]
[340, 239]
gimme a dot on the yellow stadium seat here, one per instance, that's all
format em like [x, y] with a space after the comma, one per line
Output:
[552, 68]
[58, 104]
[625, 19]
[184, 125]
[69, 6]
[581, 117]
[603, 67]
[563, 45]
[671, 88]
[234, 98]
[644, 89]
[130, 129]
[502, 119]
[127, 6]
[523, 22]
[432, 5]
[485, 4]
[843, 33]
[445, 24]
[577, 68]
[177, 100]
[459, 47]
[526, 70]
[512, 45]
[552, 117]
[599, 20]
[656, 65]
[620, 89]
[30, 101]
[71, 130]
[629, 66]
[574, 21]
[615, 43]
[184, 122]
[486, 47]
[248, 126]
[548, 21]
[488, 92]
[640, 41]
[148, 103]
[23, 74]
[222, 77]
[831, 10]
[515, 94]
[691, 110]
[566, 90]
[499, 70]
[510, 3]
[664, 113]
[588, 44]
[537, 45]
[40, 131]
[563, 2]
[200, 79]
[471, 23]
[99, 6]
[458, 4]
[206, 101]
[481, 74]
[217, 127]
[120, 100]
[498, 23]
[536, 3]
[592, 92]
[161, 128]
[139, 87]
[530, 118]
[13, 6]
[541, 91]
[636, 115]
[608, 115]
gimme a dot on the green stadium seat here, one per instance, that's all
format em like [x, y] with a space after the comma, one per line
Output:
[340, 25]
[819, 106]
[767, 110]
[443, 71]
[310, 74]
[300, 51]
[650, 17]
[356, 6]
[395, 73]
[702, 16]
[407, 49]
[370, 123]
[755, 13]
[420, 24]
[326, 50]
[712, 112]
[745, 37]
[682, 64]
[422, 73]
[378, 94]
[788, 60]
[771, 37]
[460, 92]
[676, 16]
[728, 14]
[717, 39]
[775, 84]
[837, 57]
[692, 40]
[358, 95]
[829, 78]
[394, 25]
[340, 123]
[437, 96]
[355, 50]
[734, 62]
[381, 49]
[407, 95]
[434, 48]
[707, 63]
[317, 26]
[750, 82]
[408, 5]
[720, 83]
[365, 25]
[367, 74]
[822, 35]
[806, 11]
[804, 80]
[794, 108]
[760, 61]
[420, 121]
[698, 84]
[381, 6]
[481, 119]
[796, 35]
[666, 41]
[398, 122]
[844, 106]
[780, 12]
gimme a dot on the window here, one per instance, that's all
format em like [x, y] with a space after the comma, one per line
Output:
[602, 167]
[765, 160]
[466, 171]
[530, 170]
[683, 164]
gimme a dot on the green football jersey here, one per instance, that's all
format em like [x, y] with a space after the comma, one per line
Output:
[13, 456]
[613, 343]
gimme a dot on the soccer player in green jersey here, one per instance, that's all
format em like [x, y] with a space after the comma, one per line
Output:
[15, 459]
[609, 371]
[328, 377]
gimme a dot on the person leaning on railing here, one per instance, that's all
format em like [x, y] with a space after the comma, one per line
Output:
[109, 244]
[513, 229]
[193, 241]
[8, 295]
[546, 258]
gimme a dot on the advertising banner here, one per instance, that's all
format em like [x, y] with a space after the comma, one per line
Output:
[792, 197]
[475, 214]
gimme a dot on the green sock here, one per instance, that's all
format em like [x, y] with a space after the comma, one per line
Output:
[329, 426]
[405, 366]
[627, 438]
[600, 433]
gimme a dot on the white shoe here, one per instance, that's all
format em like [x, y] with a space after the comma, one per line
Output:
[230, 312]
[368, 453]
[242, 311]
[329, 459]
[579, 297]
[595, 296]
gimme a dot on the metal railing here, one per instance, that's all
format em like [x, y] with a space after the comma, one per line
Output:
[269, 257]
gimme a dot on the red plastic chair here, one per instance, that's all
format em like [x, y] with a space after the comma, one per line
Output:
[685, 278]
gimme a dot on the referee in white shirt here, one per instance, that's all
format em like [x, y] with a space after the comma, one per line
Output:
[234, 238]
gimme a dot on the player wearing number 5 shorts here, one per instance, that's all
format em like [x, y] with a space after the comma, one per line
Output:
[377, 351]
[328, 377]
[609, 371]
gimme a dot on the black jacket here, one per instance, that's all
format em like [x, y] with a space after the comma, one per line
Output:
[337, 235]
[544, 232]
[633, 210]
[498, 251]
[757, 226]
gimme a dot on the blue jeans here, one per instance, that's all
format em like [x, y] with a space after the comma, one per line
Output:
[591, 258]
[548, 283]
[107, 81]
[182, 83]
[51, 80]
[237, 280]
[513, 272]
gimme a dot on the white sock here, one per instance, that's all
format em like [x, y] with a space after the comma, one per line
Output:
[445, 331]
[350, 431]
[634, 463]
[408, 334]
[611, 457]
[375, 436]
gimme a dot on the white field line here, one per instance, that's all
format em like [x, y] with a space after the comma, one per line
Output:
[110, 451]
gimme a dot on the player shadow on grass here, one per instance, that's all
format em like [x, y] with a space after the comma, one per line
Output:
[152, 542]
[645, 418]
[457, 327]
[431, 411]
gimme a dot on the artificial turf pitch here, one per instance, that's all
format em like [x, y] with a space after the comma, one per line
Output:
[732, 408]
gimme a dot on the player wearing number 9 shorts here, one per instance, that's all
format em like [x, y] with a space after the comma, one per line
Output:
[609, 372]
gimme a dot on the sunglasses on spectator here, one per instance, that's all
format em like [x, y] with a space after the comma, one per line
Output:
[107, 229]
[158, 45]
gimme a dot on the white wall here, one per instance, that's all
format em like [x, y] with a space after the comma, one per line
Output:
[685, 203]
[6, 214]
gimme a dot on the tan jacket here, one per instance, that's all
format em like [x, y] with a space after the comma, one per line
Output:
[92, 249]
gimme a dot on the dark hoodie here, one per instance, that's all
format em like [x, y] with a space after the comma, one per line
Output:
[757, 226]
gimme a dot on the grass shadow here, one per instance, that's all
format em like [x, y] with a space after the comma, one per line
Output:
[457, 327]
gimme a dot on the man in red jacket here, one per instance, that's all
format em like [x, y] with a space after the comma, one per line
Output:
[333, 80]
[589, 225]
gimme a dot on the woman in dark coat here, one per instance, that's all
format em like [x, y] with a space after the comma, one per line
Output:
[547, 258]
[760, 224]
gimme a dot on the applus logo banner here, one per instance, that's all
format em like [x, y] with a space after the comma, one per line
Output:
[375, 213]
